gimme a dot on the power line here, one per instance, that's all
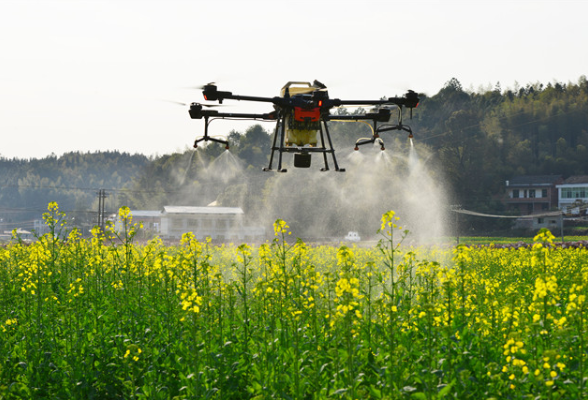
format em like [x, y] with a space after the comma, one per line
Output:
[85, 189]
[478, 214]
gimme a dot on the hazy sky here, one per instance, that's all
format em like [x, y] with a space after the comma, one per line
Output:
[78, 75]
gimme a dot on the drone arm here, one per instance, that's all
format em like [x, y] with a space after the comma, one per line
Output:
[274, 100]
[339, 102]
[266, 116]
[383, 115]
[211, 93]
[198, 112]
[410, 100]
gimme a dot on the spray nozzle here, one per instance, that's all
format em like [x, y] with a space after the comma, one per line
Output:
[381, 142]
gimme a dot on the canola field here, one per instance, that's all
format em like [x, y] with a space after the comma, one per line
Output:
[105, 318]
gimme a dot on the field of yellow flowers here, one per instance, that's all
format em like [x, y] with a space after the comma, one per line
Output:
[105, 318]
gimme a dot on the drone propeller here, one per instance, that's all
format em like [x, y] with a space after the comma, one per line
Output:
[188, 104]
[201, 87]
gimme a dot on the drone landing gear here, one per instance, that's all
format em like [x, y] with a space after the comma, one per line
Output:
[302, 155]
[372, 140]
[207, 138]
[376, 135]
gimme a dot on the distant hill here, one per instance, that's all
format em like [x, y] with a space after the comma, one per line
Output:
[472, 141]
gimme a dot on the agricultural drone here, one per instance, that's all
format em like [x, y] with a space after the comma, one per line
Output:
[302, 112]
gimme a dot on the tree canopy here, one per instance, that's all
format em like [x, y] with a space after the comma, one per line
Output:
[475, 140]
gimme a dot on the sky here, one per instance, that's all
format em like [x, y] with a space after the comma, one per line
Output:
[81, 75]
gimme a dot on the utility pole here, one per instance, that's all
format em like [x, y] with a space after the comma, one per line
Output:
[562, 226]
[101, 216]
[456, 208]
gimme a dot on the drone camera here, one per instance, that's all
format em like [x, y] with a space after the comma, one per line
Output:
[302, 160]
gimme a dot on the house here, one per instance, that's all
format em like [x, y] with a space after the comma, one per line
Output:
[550, 220]
[532, 194]
[151, 220]
[23, 234]
[535, 198]
[40, 227]
[221, 224]
[573, 195]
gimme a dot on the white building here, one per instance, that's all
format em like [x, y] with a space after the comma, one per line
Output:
[550, 220]
[573, 195]
[151, 220]
[21, 233]
[222, 224]
[40, 227]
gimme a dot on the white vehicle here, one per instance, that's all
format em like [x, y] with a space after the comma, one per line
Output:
[352, 236]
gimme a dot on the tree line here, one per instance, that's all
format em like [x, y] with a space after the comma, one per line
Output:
[474, 142]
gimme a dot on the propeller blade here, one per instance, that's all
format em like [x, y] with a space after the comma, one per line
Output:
[176, 102]
[188, 104]
[200, 87]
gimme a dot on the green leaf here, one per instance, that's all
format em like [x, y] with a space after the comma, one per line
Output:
[419, 396]
[445, 390]
[375, 393]
[256, 386]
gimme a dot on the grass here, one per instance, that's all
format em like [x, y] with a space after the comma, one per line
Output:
[105, 318]
[501, 240]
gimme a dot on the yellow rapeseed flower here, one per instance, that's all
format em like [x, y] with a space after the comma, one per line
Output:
[280, 227]
[536, 317]
[525, 370]
[553, 374]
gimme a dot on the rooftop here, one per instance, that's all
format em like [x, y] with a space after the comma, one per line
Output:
[535, 180]
[201, 210]
[145, 213]
[576, 179]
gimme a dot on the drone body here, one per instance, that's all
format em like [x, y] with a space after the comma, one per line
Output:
[302, 112]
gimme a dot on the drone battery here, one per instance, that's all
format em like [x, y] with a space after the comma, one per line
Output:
[312, 115]
[302, 160]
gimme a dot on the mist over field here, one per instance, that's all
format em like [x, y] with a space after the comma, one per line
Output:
[329, 204]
